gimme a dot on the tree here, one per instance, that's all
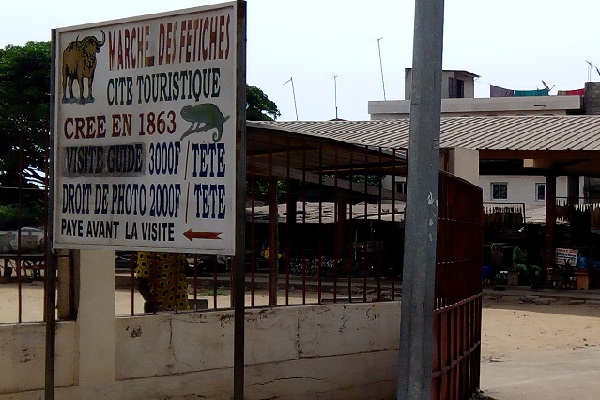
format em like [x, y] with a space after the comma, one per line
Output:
[258, 105]
[24, 119]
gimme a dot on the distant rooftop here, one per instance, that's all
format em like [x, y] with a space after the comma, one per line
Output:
[578, 132]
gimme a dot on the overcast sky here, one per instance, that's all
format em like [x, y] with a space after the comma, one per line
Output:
[513, 43]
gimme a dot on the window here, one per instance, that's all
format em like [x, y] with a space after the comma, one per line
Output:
[456, 88]
[540, 192]
[401, 187]
[500, 191]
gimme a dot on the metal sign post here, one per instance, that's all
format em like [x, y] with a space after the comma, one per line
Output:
[240, 232]
[50, 273]
[416, 329]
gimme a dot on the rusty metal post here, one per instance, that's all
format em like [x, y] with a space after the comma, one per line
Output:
[549, 254]
[50, 273]
[291, 233]
[273, 241]
[239, 275]
[418, 294]
[341, 213]
[573, 189]
[339, 240]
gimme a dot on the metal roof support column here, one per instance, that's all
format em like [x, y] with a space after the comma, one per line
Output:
[273, 241]
[416, 329]
[549, 254]
[573, 189]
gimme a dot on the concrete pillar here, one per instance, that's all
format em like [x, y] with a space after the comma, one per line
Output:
[464, 163]
[96, 316]
[591, 99]
[65, 298]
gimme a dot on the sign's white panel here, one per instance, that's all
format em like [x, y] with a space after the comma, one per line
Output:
[145, 118]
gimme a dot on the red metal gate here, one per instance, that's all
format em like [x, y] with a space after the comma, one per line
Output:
[457, 319]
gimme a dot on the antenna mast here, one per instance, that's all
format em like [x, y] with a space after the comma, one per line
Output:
[294, 94]
[381, 67]
[591, 66]
[335, 94]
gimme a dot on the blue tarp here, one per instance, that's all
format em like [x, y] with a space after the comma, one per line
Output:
[588, 264]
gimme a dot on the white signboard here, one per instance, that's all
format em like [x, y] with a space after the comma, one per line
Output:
[564, 255]
[145, 134]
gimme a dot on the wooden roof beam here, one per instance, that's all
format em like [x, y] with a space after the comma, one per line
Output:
[357, 187]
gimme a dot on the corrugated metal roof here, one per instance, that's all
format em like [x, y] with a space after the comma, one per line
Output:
[581, 132]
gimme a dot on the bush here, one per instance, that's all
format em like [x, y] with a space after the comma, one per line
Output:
[30, 216]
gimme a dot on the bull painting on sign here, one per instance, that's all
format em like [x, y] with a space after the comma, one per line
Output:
[79, 62]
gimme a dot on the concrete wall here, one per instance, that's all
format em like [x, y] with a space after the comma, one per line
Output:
[22, 358]
[460, 162]
[469, 84]
[464, 163]
[333, 351]
[591, 99]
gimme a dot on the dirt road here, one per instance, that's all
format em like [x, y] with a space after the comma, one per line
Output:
[549, 352]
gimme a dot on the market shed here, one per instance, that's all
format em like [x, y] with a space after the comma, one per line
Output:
[335, 217]
[549, 146]
[350, 232]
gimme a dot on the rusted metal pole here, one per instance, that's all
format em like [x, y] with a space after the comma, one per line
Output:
[273, 241]
[418, 291]
[50, 272]
[549, 252]
[240, 221]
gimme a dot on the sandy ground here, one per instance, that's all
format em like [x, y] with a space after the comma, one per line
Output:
[31, 295]
[510, 327]
[529, 351]
[532, 352]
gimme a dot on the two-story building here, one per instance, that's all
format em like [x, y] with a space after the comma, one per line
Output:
[507, 181]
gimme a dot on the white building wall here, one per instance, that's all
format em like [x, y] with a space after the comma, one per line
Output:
[521, 189]
[495, 106]
[469, 84]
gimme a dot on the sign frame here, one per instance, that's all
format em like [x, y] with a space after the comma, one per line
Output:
[148, 73]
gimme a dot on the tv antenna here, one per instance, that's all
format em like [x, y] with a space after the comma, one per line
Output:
[546, 86]
[381, 67]
[591, 66]
[294, 93]
[335, 94]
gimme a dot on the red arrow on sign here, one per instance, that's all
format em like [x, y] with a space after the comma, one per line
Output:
[190, 234]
